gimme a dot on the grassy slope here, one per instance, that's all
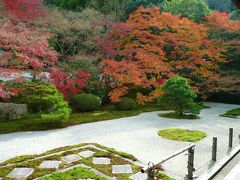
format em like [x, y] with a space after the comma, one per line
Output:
[234, 113]
[105, 113]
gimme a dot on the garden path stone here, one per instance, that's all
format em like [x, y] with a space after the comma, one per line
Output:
[101, 160]
[71, 158]
[50, 164]
[122, 169]
[20, 173]
[86, 154]
[139, 176]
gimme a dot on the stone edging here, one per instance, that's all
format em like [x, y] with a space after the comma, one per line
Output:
[211, 173]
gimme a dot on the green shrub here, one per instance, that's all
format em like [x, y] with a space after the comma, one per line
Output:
[126, 104]
[86, 102]
[179, 95]
[43, 98]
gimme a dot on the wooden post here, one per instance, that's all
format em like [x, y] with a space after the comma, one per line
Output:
[190, 163]
[150, 174]
[230, 137]
[214, 149]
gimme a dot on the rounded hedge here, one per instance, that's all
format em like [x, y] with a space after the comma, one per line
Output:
[86, 102]
[126, 104]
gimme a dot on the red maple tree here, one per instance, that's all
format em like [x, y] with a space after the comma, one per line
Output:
[23, 9]
[154, 45]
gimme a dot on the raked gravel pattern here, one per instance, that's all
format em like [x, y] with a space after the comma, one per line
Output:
[136, 135]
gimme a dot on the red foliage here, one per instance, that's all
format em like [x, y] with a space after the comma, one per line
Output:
[222, 21]
[69, 83]
[152, 46]
[25, 47]
[23, 9]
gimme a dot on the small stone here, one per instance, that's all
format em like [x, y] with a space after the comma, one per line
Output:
[86, 154]
[121, 169]
[71, 158]
[20, 173]
[101, 160]
[50, 164]
[139, 176]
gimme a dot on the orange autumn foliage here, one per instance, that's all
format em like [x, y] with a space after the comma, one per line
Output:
[152, 45]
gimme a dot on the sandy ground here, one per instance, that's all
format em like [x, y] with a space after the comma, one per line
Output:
[136, 135]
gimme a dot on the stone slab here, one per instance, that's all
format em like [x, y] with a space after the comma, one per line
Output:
[71, 158]
[50, 164]
[20, 173]
[86, 154]
[122, 169]
[139, 176]
[234, 174]
[101, 160]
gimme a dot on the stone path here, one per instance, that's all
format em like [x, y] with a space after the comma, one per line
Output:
[134, 135]
[50, 164]
[20, 173]
[71, 158]
[101, 160]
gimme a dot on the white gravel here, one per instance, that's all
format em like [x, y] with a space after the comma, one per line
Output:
[135, 135]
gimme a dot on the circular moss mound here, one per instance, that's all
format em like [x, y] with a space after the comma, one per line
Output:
[182, 135]
[126, 104]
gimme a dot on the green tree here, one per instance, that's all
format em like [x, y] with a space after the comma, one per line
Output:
[179, 95]
[193, 9]
[235, 15]
[134, 4]
[73, 5]
[114, 9]
[221, 5]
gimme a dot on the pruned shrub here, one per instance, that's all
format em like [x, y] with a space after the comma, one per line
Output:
[86, 102]
[126, 104]
[43, 98]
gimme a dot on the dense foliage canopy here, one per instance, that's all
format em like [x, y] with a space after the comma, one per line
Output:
[120, 47]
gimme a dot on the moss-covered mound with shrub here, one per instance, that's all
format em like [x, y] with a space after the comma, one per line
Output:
[234, 113]
[126, 104]
[44, 99]
[182, 135]
[86, 102]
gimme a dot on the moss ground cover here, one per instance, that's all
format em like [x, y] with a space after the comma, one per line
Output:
[75, 173]
[174, 115]
[182, 135]
[104, 113]
[234, 113]
[30, 162]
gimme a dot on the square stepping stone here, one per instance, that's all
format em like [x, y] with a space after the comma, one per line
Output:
[71, 158]
[50, 164]
[20, 173]
[86, 154]
[122, 169]
[139, 176]
[101, 160]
